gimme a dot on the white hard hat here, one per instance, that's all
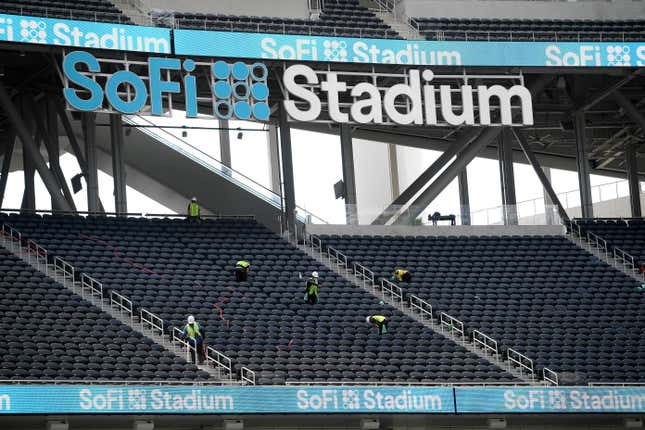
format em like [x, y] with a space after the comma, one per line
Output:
[367, 319]
[194, 199]
[314, 274]
[191, 319]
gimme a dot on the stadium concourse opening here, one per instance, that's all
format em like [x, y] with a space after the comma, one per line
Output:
[326, 147]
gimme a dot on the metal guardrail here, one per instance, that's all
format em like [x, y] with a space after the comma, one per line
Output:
[549, 376]
[122, 303]
[521, 361]
[92, 286]
[365, 275]
[63, 271]
[178, 336]
[152, 322]
[453, 324]
[487, 343]
[37, 255]
[219, 361]
[337, 258]
[247, 375]
[392, 291]
[423, 308]
[15, 237]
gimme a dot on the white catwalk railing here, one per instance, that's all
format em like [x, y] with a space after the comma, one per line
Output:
[89, 288]
[550, 376]
[393, 295]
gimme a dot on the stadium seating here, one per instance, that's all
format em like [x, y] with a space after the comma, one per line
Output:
[338, 18]
[627, 235]
[542, 296]
[174, 269]
[49, 333]
[566, 30]
[89, 10]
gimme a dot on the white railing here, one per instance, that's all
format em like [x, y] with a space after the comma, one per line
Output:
[122, 303]
[392, 291]
[364, 275]
[453, 325]
[247, 375]
[521, 361]
[598, 242]
[91, 286]
[550, 376]
[153, 323]
[63, 271]
[337, 259]
[421, 307]
[219, 361]
[37, 255]
[178, 336]
[14, 236]
[390, 6]
[315, 242]
[486, 343]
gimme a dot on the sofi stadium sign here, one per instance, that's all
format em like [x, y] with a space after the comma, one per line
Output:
[239, 90]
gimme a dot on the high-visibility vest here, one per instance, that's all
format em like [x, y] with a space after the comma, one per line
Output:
[399, 274]
[193, 209]
[378, 318]
[243, 264]
[193, 331]
[312, 286]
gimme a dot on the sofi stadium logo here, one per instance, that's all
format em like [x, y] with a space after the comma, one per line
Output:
[85, 34]
[238, 90]
[595, 55]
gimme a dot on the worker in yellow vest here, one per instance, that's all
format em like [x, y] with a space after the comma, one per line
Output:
[242, 269]
[195, 335]
[193, 210]
[401, 275]
[311, 289]
[378, 321]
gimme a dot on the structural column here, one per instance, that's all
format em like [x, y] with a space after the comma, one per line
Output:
[118, 166]
[274, 158]
[9, 140]
[349, 177]
[394, 170]
[224, 143]
[89, 130]
[584, 180]
[29, 171]
[289, 218]
[548, 204]
[509, 200]
[632, 178]
[464, 199]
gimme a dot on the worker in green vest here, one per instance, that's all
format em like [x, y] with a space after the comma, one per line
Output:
[195, 335]
[401, 275]
[378, 321]
[242, 269]
[311, 289]
[193, 210]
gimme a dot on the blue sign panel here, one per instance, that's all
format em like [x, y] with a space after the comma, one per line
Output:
[383, 51]
[85, 34]
[550, 400]
[95, 399]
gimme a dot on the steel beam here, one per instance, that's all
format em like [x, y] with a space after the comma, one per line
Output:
[612, 89]
[274, 158]
[89, 133]
[447, 176]
[393, 162]
[423, 179]
[582, 163]
[632, 178]
[548, 204]
[30, 147]
[630, 110]
[507, 178]
[118, 166]
[546, 183]
[289, 218]
[349, 177]
[29, 173]
[9, 143]
[224, 143]
[464, 199]
[53, 150]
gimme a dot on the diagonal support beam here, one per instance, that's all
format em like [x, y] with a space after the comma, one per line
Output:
[630, 110]
[30, 146]
[530, 156]
[10, 141]
[423, 179]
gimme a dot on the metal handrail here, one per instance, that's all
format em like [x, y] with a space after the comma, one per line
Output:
[64, 269]
[392, 290]
[123, 304]
[247, 375]
[487, 343]
[178, 336]
[549, 376]
[13, 235]
[95, 287]
[453, 324]
[424, 308]
[520, 360]
[338, 258]
[219, 361]
[364, 274]
[152, 322]
[315, 242]
[38, 254]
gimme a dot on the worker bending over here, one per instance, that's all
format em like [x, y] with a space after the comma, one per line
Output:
[401, 275]
[378, 321]
[242, 269]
